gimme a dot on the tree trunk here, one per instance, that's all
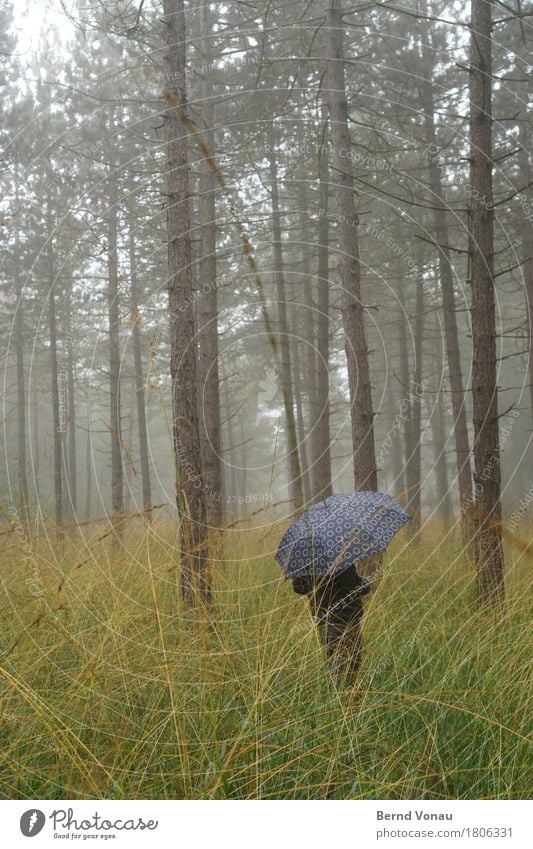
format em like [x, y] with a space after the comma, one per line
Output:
[190, 493]
[72, 473]
[487, 514]
[294, 468]
[356, 351]
[524, 167]
[117, 472]
[436, 414]
[231, 487]
[414, 461]
[35, 442]
[243, 470]
[140, 389]
[307, 322]
[440, 463]
[305, 344]
[88, 470]
[21, 387]
[208, 304]
[130, 471]
[395, 440]
[298, 401]
[320, 431]
[405, 408]
[56, 415]
[442, 237]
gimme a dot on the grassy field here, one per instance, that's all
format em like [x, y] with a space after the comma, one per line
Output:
[107, 692]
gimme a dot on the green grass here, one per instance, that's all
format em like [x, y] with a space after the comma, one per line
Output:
[107, 692]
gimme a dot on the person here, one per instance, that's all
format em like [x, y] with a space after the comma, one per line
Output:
[337, 609]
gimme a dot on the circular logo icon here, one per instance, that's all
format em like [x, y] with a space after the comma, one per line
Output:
[32, 822]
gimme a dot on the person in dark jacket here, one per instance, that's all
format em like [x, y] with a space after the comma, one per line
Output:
[337, 609]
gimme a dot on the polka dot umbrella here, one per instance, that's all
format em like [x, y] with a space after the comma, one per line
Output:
[340, 531]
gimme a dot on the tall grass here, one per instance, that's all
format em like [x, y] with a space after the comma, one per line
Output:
[110, 691]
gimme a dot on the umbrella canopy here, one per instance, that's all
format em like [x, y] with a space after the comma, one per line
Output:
[338, 532]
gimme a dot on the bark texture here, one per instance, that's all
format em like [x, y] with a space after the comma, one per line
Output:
[21, 385]
[72, 477]
[56, 416]
[208, 306]
[320, 429]
[57, 423]
[140, 391]
[298, 402]
[525, 175]
[487, 513]
[115, 423]
[414, 461]
[293, 459]
[190, 492]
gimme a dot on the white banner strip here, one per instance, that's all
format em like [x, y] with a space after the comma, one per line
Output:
[272, 824]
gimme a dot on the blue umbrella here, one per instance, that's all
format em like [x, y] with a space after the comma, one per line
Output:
[338, 532]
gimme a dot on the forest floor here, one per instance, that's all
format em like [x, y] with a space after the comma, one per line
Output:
[107, 692]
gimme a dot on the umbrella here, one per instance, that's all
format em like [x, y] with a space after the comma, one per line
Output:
[338, 532]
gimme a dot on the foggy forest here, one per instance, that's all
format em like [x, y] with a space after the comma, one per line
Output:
[256, 254]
